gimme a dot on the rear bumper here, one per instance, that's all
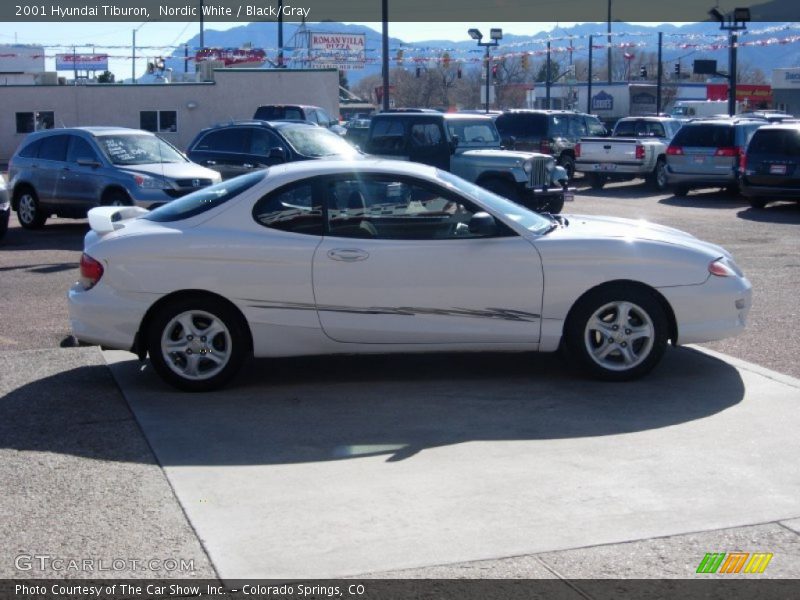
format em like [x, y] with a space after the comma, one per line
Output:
[612, 169]
[700, 179]
[758, 191]
[105, 317]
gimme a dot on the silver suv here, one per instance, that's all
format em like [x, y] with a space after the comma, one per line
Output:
[65, 172]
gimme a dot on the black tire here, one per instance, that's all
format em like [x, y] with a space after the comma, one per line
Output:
[502, 187]
[606, 353]
[757, 203]
[554, 204]
[658, 178]
[566, 161]
[4, 216]
[596, 181]
[680, 191]
[116, 198]
[733, 189]
[29, 212]
[211, 372]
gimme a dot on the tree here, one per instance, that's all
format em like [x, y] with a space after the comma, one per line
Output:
[105, 77]
[343, 80]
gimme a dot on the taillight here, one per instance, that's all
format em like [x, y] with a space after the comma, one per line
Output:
[727, 152]
[577, 150]
[91, 271]
[544, 146]
[674, 151]
[639, 152]
[742, 162]
[720, 268]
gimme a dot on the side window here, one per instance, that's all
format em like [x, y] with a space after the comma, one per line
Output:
[54, 147]
[386, 137]
[396, 209]
[158, 121]
[558, 126]
[31, 150]
[577, 126]
[262, 141]
[79, 149]
[595, 127]
[625, 129]
[224, 140]
[656, 129]
[426, 134]
[290, 208]
[323, 118]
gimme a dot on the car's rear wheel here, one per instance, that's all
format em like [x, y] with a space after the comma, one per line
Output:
[568, 163]
[680, 191]
[597, 181]
[617, 332]
[29, 211]
[659, 176]
[197, 345]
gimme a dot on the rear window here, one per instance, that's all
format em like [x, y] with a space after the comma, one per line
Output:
[522, 125]
[232, 139]
[204, 199]
[705, 135]
[772, 141]
[278, 113]
[31, 150]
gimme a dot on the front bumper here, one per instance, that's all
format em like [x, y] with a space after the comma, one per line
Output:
[714, 310]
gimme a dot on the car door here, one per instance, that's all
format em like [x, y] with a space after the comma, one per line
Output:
[225, 150]
[398, 264]
[427, 144]
[79, 181]
[50, 162]
[263, 147]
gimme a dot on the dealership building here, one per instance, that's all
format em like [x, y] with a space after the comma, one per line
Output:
[786, 90]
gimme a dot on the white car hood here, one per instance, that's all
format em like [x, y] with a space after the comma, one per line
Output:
[593, 227]
[497, 153]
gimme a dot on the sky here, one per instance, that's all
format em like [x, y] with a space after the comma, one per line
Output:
[86, 35]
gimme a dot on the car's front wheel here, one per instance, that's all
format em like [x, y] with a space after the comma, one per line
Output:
[197, 345]
[659, 175]
[617, 333]
[29, 211]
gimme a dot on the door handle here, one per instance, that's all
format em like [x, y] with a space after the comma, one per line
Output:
[211, 162]
[247, 166]
[348, 254]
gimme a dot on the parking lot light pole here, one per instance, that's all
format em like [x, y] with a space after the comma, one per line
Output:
[495, 35]
[733, 24]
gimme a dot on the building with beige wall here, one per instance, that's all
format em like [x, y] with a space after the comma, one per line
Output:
[176, 111]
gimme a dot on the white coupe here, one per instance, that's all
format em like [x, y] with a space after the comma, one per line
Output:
[328, 257]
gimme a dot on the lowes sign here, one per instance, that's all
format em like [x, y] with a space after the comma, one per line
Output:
[603, 101]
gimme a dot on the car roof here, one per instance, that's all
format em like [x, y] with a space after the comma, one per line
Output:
[723, 121]
[654, 118]
[95, 131]
[545, 111]
[328, 166]
[792, 125]
[276, 124]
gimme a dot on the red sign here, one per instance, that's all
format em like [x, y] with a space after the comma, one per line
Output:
[232, 57]
[753, 95]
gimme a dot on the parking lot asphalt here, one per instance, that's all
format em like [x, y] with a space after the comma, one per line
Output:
[545, 474]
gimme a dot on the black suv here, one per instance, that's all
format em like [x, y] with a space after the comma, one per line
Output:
[240, 147]
[770, 167]
[553, 132]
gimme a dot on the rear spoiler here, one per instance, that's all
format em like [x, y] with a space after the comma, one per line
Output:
[105, 219]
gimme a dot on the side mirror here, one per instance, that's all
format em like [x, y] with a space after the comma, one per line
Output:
[88, 162]
[483, 224]
[278, 153]
[454, 144]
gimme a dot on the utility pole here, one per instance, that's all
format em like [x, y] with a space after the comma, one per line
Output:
[549, 77]
[660, 75]
[589, 83]
[385, 51]
[608, 41]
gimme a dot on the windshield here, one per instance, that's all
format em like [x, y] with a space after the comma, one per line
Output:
[317, 142]
[204, 199]
[138, 149]
[530, 220]
[680, 111]
[478, 132]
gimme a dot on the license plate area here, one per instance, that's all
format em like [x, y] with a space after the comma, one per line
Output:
[777, 169]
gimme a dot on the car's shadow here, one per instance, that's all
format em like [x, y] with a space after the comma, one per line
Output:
[60, 234]
[706, 198]
[780, 212]
[332, 408]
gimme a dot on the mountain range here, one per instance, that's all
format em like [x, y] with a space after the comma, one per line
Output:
[685, 43]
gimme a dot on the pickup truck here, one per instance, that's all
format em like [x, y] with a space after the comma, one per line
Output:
[469, 146]
[637, 148]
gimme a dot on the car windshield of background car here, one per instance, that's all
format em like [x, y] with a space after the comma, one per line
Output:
[138, 150]
[205, 198]
[475, 132]
[528, 219]
[317, 142]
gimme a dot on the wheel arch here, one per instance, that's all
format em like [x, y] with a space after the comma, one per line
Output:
[112, 189]
[140, 342]
[672, 334]
[499, 175]
[17, 192]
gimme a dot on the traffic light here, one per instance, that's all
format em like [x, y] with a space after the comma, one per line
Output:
[524, 62]
[677, 69]
[494, 71]
[458, 72]
[643, 72]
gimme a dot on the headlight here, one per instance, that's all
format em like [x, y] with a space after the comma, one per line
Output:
[151, 183]
[527, 166]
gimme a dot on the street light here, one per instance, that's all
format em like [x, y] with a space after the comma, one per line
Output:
[736, 22]
[495, 34]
